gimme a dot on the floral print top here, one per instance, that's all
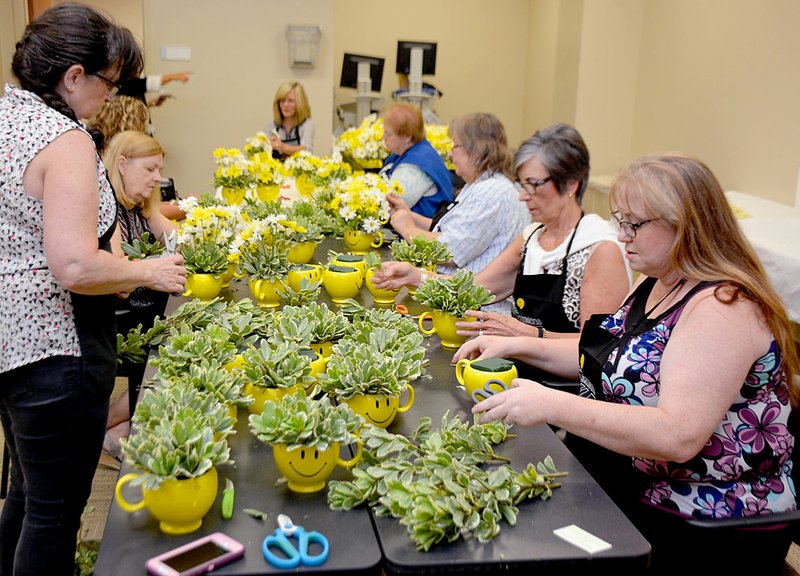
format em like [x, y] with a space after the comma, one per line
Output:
[745, 467]
[36, 312]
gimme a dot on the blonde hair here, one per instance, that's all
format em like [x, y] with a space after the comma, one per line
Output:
[131, 144]
[484, 138]
[302, 110]
[119, 114]
[709, 245]
[406, 119]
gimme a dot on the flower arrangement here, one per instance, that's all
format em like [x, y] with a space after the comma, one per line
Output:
[421, 252]
[360, 202]
[439, 137]
[265, 170]
[258, 144]
[232, 169]
[298, 421]
[264, 261]
[454, 295]
[363, 146]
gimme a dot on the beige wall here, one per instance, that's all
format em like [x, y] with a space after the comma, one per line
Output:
[13, 16]
[482, 51]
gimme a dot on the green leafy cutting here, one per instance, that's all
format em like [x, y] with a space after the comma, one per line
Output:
[141, 248]
[204, 256]
[421, 252]
[434, 484]
[454, 295]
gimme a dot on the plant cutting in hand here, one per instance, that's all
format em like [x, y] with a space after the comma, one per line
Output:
[421, 252]
[144, 247]
[435, 484]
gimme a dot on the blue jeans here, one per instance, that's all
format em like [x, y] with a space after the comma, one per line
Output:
[54, 419]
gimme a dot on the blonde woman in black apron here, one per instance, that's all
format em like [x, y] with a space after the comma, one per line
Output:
[685, 409]
[292, 129]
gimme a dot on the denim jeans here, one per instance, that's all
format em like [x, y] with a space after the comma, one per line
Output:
[54, 419]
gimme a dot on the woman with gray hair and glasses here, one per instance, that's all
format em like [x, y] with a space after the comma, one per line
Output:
[564, 267]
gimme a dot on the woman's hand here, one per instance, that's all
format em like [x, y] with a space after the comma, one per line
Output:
[525, 403]
[276, 143]
[484, 347]
[396, 203]
[394, 275]
[491, 324]
[167, 273]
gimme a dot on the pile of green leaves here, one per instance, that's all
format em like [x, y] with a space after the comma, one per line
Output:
[265, 261]
[454, 295]
[180, 433]
[421, 252]
[434, 484]
[381, 361]
[276, 365]
[141, 248]
[299, 421]
[186, 346]
[204, 256]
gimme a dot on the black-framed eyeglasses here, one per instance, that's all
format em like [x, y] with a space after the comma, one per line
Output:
[113, 87]
[531, 186]
[630, 228]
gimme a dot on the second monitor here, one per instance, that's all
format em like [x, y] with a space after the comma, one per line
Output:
[350, 64]
[404, 56]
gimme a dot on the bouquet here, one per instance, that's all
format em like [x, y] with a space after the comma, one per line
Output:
[360, 203]
[363, 146]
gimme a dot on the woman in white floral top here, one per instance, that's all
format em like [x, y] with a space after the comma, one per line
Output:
[58, 280]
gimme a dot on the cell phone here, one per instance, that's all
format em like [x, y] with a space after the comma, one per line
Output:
[198, 557]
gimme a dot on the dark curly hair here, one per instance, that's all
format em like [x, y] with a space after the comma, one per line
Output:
[70, 34]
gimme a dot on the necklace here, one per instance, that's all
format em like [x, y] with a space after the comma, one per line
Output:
[675, 287]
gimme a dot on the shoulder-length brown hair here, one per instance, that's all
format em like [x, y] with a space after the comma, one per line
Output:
[131, 144]
[484, 138]
[709, 245]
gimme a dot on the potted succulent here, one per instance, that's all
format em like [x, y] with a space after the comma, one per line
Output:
[305, 293]
[449, 298]
[206, 261]
[177, 443]
[327, 326]
[422, 252]
[273, 370]
[185, 346]
[306, 436]
[226, 386]
[371, 368]
[381, 297]
[267, 267]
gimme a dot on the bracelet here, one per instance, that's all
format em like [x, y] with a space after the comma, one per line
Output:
[422, 276]
[541, 331]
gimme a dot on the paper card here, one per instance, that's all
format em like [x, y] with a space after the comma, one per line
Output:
[582, 539]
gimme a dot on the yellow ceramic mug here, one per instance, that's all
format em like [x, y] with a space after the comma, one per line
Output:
[380, 296]
[302, 252]
[379, 410]
[341, 282]
[311, 271]
[307, 468]
[474, 375]
[203, 286]
[360, 242]
[445, 326]
[352, 261]
[264, 292]
[179, 505]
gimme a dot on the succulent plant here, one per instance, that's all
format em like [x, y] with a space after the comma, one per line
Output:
[454, 295]
[141, 248]
[278, 365]
[421, 252]
[204, 256]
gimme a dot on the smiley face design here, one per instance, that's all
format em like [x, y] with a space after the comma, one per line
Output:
[377, 410]
[306, 462]
[305, 468]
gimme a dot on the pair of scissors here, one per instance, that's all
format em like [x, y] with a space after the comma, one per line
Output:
[170, 242]
[294, 556]
[488, 390]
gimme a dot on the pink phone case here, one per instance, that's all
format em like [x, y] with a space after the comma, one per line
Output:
[197, 557]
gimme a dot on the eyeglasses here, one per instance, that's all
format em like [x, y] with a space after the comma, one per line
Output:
[630, 228]
[531, 186]
[113, 87]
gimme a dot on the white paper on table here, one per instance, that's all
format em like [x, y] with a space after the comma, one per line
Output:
[582, 539]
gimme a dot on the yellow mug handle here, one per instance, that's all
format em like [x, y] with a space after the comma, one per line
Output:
[460, 365]
[258, 284]
[354, 460]
[124, 504]
[377, 241]
[422, 318]
[410, 401]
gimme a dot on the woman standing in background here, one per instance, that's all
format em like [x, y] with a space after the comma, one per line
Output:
[292, 129]
[58, 280]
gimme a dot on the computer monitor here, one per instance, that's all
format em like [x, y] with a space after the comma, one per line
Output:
[350, 71]
[404, 56]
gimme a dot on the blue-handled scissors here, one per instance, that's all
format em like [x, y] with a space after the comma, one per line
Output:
[294, 556]
[488, 390]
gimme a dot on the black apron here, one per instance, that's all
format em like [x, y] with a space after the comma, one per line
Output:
[292, 138]
[538, 298]
[440, 212]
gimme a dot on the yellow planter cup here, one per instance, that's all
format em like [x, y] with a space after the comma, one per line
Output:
[379, 410]
[234, 195]
[432, 269]
[305, 186]
[319, 364]
[341, 282]
[311, 271]
[268, 193]
[178, 505]
[264, 293]
[229, 274]
[307, 468]
[474, 374]
[324, 349]
[352, 261]
[203, 286]
[263, 395]
[379, 296]
[445, 326]
[360, 242]
[302, 252]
